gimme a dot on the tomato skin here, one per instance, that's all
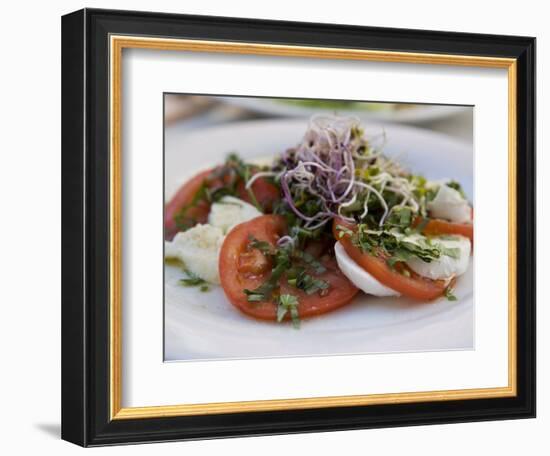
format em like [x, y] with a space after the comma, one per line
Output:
[182, 198]
[264, 192]
[415, 286]
[436, 227]
[237, 275]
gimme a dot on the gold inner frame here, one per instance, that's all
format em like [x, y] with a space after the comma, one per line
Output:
[117, 44]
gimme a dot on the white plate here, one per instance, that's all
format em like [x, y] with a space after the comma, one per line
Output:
[206, 326]
[415, 114]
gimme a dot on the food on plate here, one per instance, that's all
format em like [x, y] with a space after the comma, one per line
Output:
[264, 276]
[199, 249]
[192, 202]
[449, 202]
[390, 258]
[329, 218]
[230, 211]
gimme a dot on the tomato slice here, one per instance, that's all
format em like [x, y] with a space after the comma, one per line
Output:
[435, 227]
[264, 192]
[412, 285]
[244, 268]
[184, 197]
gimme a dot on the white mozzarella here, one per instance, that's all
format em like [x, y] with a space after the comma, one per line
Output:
[199, 249]
[231, 211]
[358, 276]
[445, 266]
[449, 204]
[170, 251]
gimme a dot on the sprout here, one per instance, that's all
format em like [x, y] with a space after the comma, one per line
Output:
[335, 166]
[257, 176]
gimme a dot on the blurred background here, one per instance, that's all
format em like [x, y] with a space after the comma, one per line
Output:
[190, 112]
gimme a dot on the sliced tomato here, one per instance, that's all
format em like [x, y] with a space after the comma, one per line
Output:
[401, 279]
[184, 197]
[242, 267]
[435, 227]
[264, 192]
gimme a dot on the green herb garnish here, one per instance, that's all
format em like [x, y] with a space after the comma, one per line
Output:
[308, 259]
[225, 180]
[297, 277]
[400, 217]
[286, 259]
[288, 303]
[456, 186]
[396, 248]
[265, 291]
[262, 246]
[193, 280]
[449, 294]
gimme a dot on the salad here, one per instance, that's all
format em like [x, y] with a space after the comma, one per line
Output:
[323, 221]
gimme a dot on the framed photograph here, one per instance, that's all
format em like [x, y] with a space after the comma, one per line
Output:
[278, 227]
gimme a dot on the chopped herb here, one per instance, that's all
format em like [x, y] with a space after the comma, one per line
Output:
[342, 231]
[297, 277]
[400, 217]
[265, 291]
[194, 281]
[449, 294]
[288, 303]
[294, 263]
[308, 258]
[224, 180]
[255, 295]
[456, 186]
[262, 246]
[431, 193]
[397, 248]
[399, 256]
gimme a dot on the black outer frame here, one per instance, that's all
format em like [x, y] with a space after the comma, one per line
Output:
[85, 227]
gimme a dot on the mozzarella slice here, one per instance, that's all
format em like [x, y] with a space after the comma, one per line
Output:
[449, 204]
[358, 276]
[446, 266]
[170, 251]
[198, 248]
[231, 211]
